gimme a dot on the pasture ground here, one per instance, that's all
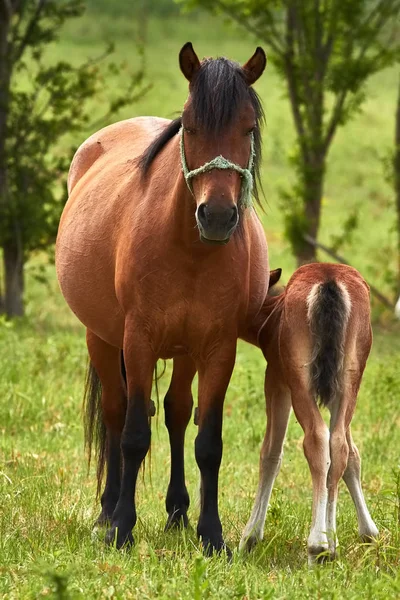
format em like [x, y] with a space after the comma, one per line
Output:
[48, 501]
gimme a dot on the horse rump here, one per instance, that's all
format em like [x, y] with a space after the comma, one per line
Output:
[328, 314]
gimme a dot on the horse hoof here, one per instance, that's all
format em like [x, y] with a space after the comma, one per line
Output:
[103, 520]
[319, 555]
[370, 536]
[115, 537]
[177, 520]
[247, 544]
[216, 547]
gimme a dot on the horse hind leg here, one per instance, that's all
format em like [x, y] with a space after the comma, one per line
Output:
[278, 405]
[178, 405]
[341, 408]
[106, 362]
[367, 529]
[316, 450]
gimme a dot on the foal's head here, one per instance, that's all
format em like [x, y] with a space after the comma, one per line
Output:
[221, 118]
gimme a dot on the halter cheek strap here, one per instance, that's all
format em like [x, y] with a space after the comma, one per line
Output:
[219, 162]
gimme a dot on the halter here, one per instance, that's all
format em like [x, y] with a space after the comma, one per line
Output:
[219, 162]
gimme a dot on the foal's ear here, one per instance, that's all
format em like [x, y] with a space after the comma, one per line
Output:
[274, 277]
[188, 61]
[255, 66]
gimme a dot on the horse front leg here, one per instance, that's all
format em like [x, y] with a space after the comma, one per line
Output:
[278, 406]
[214, 376]
[135, 440]
[178, 405]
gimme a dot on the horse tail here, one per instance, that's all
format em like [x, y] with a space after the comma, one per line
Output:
[329, 307]
[95, 430]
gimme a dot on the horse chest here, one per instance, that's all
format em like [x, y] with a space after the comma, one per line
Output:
[187, 317]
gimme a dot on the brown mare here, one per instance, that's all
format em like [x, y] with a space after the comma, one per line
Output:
[144, 263]
[316, 337]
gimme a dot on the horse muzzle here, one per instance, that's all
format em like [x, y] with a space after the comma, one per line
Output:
[216, 223]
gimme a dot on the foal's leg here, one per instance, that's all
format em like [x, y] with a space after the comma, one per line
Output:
[106, 361]
[214, 376]
[316, 450]
[341, 409]
[178, 405]
[352, 478]
[135, 439]
[278, 403]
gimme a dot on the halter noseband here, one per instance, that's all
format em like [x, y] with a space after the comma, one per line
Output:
[219, 162]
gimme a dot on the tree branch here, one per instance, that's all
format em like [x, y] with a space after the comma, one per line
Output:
[275, 40]
[292, 85]
[29, 28]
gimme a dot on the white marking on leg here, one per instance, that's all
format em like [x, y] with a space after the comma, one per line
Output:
[318, 539]
[366, 526]
[278, 410]
[254, 530]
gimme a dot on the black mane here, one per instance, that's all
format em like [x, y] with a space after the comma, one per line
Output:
[218, 92]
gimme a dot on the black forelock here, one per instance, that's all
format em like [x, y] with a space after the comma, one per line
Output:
[218, 91]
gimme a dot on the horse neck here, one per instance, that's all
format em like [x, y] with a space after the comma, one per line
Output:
[177, 204]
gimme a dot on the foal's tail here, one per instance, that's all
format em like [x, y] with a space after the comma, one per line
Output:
[329, 309]
[95, 430]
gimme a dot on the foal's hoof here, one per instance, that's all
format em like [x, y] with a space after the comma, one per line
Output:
[319, 555]
[248, 543]
[116, 537]
[211, 547]
[177, 520]
[370, 534]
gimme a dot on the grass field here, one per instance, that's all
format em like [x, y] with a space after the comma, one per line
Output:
[47, 500]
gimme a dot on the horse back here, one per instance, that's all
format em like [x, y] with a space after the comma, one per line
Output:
[130, 136]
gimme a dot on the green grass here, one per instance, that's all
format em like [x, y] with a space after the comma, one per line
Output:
[48, 501]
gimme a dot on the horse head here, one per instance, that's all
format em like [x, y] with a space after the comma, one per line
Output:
[220, 139]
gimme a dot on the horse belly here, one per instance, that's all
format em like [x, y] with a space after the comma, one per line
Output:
[86, 278]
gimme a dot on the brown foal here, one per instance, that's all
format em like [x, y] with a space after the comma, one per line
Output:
[316, 337]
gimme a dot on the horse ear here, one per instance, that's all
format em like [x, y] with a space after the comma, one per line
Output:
[188, 61]
[274, 277]
[255, 66]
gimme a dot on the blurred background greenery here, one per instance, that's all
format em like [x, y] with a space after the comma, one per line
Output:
[358, 205]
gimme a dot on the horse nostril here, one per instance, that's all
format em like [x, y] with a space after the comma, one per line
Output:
[202, 213]
[234, 216]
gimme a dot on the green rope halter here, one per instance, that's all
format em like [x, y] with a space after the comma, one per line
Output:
[219, 162]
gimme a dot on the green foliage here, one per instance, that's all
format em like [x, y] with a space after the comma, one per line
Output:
[124, 8]
[325, 51]
[46, 102]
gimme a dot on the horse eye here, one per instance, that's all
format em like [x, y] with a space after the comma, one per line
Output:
[189, 130]
[251, 130]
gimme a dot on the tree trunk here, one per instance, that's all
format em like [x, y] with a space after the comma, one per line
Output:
[14, 279]
[4, 103]
[396, 173]
[313, 184]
